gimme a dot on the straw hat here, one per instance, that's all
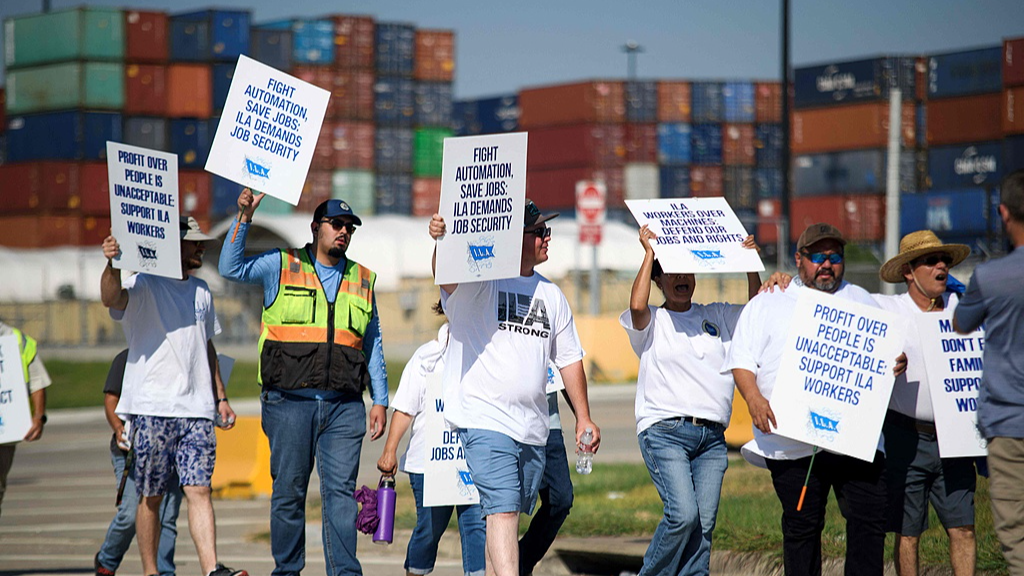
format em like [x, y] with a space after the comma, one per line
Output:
[915, 245]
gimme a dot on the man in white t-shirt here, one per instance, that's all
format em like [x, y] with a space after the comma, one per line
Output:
[172, 392]
[503, 334]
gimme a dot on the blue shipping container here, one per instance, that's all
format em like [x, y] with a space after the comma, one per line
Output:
[210, 35]
[434, 104]
[738, 187]
[642, 101]
[1013, 152]
[948, 213]
[191, 140]
[394, 194]
[768, 183]
[674, 181]
[224, 202]
[394, 102]
[497, 115]
[768, 146]
[190, 41]
[146, 132]
[271, 47]
[738, 99]
[62, 136]
[854, 81]
[965, 165]
[674, 145]
[464, 122]
[393, 149]
[312, 40]
[707, 144]
[853, 172]
[965, 73]
[921, 125]
[395, 47]
[222, 75]
[707, 104]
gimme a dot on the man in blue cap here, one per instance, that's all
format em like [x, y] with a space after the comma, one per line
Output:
[320, 347]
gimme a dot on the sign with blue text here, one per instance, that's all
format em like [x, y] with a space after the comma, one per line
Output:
[696, 235]
[953, 363]
[144, 209]
[446, 477]
[267, 132]
[483, 203]
[836, 374]
[15, 417]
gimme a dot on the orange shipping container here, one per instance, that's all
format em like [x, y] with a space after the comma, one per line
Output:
[850, 127]
[351, 95]
[353, 144]
[353, 42]
[861, 218]
[1013, 116]
[580, 103]
[768, 102]
[189, 91]
[145, 89]
[738, 144]
[707, 181]
[40, 231]
[426, 196]
[921, 78]
[435, 55]
[673, 101]
[966, 119]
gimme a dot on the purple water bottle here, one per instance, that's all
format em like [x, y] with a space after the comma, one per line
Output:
[385, 511]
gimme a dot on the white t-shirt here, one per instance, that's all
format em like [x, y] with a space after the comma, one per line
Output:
[411, 398]
[911, 395]
[757, 346]
[167, 323]
[681, 355]
[503, 333]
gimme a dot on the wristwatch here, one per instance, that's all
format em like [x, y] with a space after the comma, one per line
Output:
[43, 418]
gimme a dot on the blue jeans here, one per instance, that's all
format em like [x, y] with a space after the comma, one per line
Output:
[430, 525]
[555, 502]
[304, 431]
[122, 527]
[687, 463]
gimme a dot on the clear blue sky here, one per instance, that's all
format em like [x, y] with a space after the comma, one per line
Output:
[503, 46]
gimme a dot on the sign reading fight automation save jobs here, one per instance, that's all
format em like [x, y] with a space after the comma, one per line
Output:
[483, 199]
[268, 130]
[15, 417]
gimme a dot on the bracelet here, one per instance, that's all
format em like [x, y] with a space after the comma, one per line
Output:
[219, 400]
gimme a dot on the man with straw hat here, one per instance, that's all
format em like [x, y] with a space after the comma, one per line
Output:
[915, 474]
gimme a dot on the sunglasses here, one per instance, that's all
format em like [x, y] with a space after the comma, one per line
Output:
[820, 257]
[934, 259]
[338, 224]
[543, 232]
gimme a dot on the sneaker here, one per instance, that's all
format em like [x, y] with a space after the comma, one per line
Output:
[222, 570]
[100, 570]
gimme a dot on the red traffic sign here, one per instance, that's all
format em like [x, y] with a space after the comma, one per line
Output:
[590, 202]
[590, 234]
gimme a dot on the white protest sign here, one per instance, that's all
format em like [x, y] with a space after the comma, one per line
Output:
[446, 477]
[696, 235]
[555, 382]
[483, 199]
[835, 378]
[953, 363]
[15, 416]
[267, 132]
[144, 209]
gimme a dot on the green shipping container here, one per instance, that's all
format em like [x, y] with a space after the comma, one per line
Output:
[77, 34]
[356, 187]
[428, 148]
[92, 85]
[274, 207]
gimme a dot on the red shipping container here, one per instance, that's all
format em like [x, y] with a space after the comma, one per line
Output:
[434, 59]
[584, 102]
[145, 36]
[641, 142]
[738, 144]
[316, 190]
[1013, 116]
[189, 91]
[320, 76]
[1013, 62]
[575, 146]
[351, 95]
[194, 192]
[354, 42]
[556, 189]
[39, 186]
[768, 102]
[851, 127]
[323, 152]
[673, 101]
[768, 212]
[40, 231]
[809, 210]
[145, 89]
[965, 119]
[94, 189]
[864, 218]
[3, 109]
[921, 78]
[96, 229]
[19, 188]
[353, 145]
[426, 196]
[706, 181]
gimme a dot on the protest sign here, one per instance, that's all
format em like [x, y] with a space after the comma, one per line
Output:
[696, 235]
[446, 477]
[953, 364]
[15, 416]
[483, 199]
[144, 209]
[554, 383]
[267, 132]
[836, 374]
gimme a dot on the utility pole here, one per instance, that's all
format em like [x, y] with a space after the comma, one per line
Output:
[786, 155]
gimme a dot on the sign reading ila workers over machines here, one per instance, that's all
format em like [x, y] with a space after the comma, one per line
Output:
[269, 127]
[836, 374]
[144, 209]
[696, 235]
[953, 363]
[15, 417]
[483, 203]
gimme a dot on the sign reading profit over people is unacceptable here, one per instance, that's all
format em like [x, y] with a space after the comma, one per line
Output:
[696, 235]
[483, 203]
[15, 417]
[953, 363]
[446, 477]
[144, 209]
[836, 374]
[268, 130]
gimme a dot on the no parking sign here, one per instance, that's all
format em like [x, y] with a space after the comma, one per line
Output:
[590, 210]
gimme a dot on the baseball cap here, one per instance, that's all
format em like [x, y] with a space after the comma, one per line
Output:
[189, 230]
[533, 215]
[818, 232]
[333, 208]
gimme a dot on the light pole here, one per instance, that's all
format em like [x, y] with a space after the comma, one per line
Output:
[631, 48]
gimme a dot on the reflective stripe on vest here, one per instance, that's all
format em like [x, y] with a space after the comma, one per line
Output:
[27, 348]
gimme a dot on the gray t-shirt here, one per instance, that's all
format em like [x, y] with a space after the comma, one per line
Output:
[995, 298]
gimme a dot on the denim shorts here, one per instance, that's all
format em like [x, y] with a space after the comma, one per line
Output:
[507, 473]
[165, 445]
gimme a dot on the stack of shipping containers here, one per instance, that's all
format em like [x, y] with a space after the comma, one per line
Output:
[433, 72]
[1013, 105]
[350, 138]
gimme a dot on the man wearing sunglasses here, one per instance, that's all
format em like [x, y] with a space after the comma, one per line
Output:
[320, 347]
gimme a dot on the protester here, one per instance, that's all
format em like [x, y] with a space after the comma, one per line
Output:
[754, 358]
[37, 380]
[683, 405]
[411, 400]
[502, 335]
[994, 298]
[172, 392]
[320, 347]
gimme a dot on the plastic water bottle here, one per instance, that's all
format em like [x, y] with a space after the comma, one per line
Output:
[385, 511]
[585, 458]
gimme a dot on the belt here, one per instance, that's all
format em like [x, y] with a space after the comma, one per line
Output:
[904, 421]
[696, 421]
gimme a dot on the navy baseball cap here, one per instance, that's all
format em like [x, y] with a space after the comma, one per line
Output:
[333, 208]
[534, 216]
